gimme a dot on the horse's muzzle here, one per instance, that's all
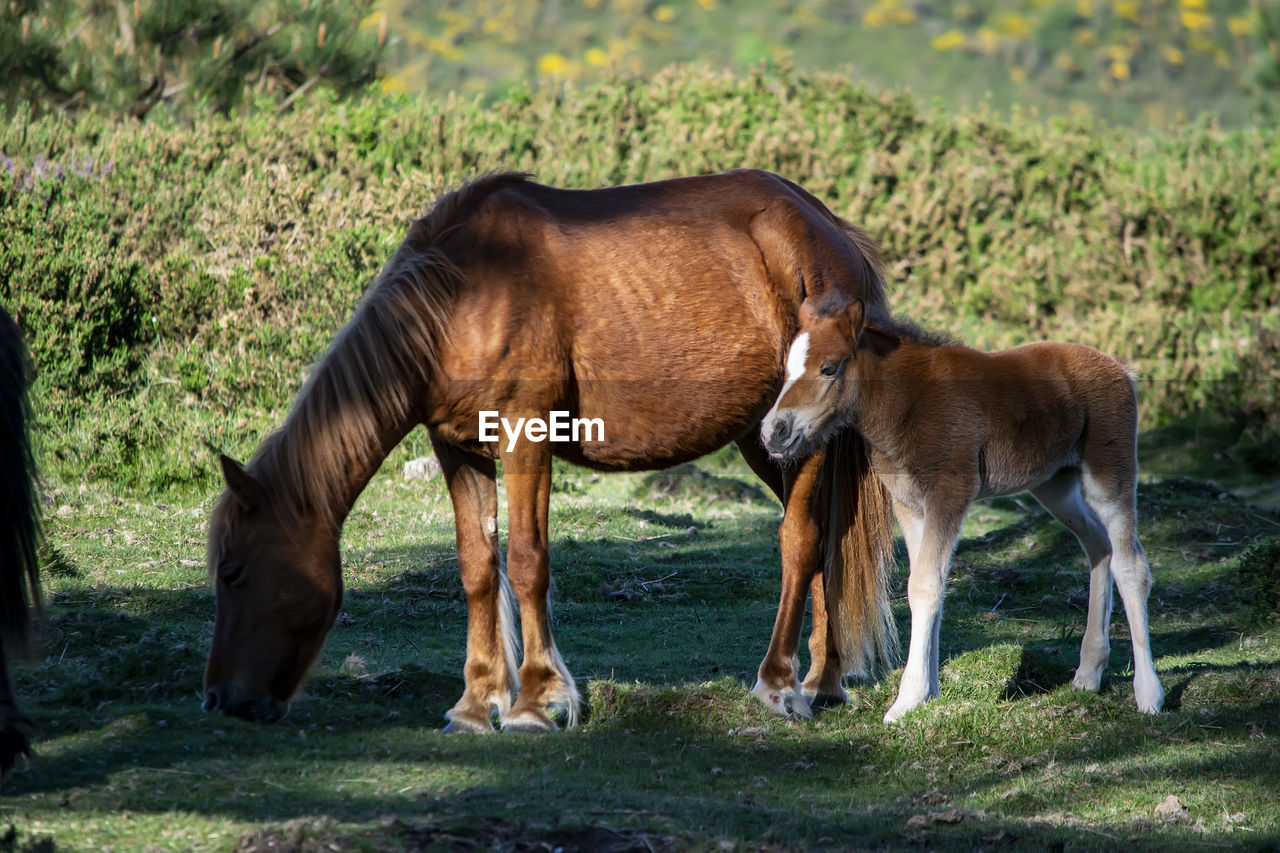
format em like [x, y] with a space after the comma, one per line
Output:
[253, 708]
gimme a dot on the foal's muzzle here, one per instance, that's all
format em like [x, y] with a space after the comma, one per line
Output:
[252, 708]
[780, 436]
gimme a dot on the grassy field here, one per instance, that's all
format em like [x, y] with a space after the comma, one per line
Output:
[665, 590]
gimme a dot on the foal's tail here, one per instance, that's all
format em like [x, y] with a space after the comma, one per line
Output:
[19, 511]
[857, 558]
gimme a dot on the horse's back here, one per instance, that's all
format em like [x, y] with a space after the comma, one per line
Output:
[653, 307]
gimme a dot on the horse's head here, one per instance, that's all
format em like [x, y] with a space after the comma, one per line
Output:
[278, 587]
[821, 386]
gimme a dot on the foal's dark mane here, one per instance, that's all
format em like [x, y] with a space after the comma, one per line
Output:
[375, 368]
[902, 329]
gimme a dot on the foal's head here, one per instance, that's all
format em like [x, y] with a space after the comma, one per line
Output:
[278, 587]
[822, 383]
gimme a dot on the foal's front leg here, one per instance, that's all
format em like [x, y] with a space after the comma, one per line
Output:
[930, 536]
[800, 537]
[545, 680]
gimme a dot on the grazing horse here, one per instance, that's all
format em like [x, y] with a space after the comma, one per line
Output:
[663, 310]
[947, 425]
[19, 531]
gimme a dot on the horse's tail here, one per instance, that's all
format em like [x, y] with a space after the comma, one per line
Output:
[19, 510]
[857, 558]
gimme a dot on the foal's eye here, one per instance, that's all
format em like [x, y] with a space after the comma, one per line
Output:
[829, 368]
[232, 574]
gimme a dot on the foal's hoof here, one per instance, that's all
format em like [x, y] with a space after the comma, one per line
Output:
[528, 723]
[788, 702]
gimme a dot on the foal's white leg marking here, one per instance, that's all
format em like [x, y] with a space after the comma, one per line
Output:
[1118, 512]
[1061, 495]
[934, 536]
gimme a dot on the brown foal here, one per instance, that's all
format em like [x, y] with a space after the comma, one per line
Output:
[948, 425]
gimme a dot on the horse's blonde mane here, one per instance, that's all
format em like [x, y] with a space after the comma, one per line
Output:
[375, 371]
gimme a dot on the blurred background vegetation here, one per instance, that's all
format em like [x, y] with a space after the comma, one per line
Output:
[1141, 62]
[194, 194]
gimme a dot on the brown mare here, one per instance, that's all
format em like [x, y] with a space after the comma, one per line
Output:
[662, 309]
[19, 531]
[947, 425]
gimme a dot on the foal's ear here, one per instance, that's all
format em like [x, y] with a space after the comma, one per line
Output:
[241, 483]
[857, 314]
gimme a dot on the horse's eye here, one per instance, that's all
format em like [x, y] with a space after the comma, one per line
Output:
[829, 368]
[232, 574]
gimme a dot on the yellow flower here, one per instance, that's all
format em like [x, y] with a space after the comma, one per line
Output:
[1065, 62]
[963, 12]
[1120, 69]
[1239, 26]
[1086, 37]
[1193, 4]
[1014, 25]
[949, 40]
[709, 5]
[664, 14]
[875, 17]
[1196, 21]
[596, 56]
[552, 63]
[1173, 55]
[1018, 74]
[1084, 8]
[1221, 58]
[1127, 9]
[988, 41]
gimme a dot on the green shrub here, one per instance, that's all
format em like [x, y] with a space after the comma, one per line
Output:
[200, 267]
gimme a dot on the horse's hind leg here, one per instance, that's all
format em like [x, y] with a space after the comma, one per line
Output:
[13, 740]
[490, 670]
[1061, 495]
[1114, 499]
[545, 682]
[823, 685]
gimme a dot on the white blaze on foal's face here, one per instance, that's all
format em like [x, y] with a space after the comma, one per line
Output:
[796, 359]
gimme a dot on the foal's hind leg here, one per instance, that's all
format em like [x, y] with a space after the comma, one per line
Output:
[1061, 495]
[490, 671]
[823, 685]
[1115, 501]
[545, 682]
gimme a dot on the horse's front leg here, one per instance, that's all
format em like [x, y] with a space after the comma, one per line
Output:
[823, 685]
[490, 671]
[545, 682]
[800, 537]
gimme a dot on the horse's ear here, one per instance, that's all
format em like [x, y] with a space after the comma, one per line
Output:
[241, 483]
[857, 314]
[806, 312]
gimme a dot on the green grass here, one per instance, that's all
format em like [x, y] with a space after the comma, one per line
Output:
[665, 591]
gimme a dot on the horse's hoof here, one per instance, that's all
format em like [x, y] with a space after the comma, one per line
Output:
[820, 698]
[467, 725]
[788, 702]
[528, 723]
